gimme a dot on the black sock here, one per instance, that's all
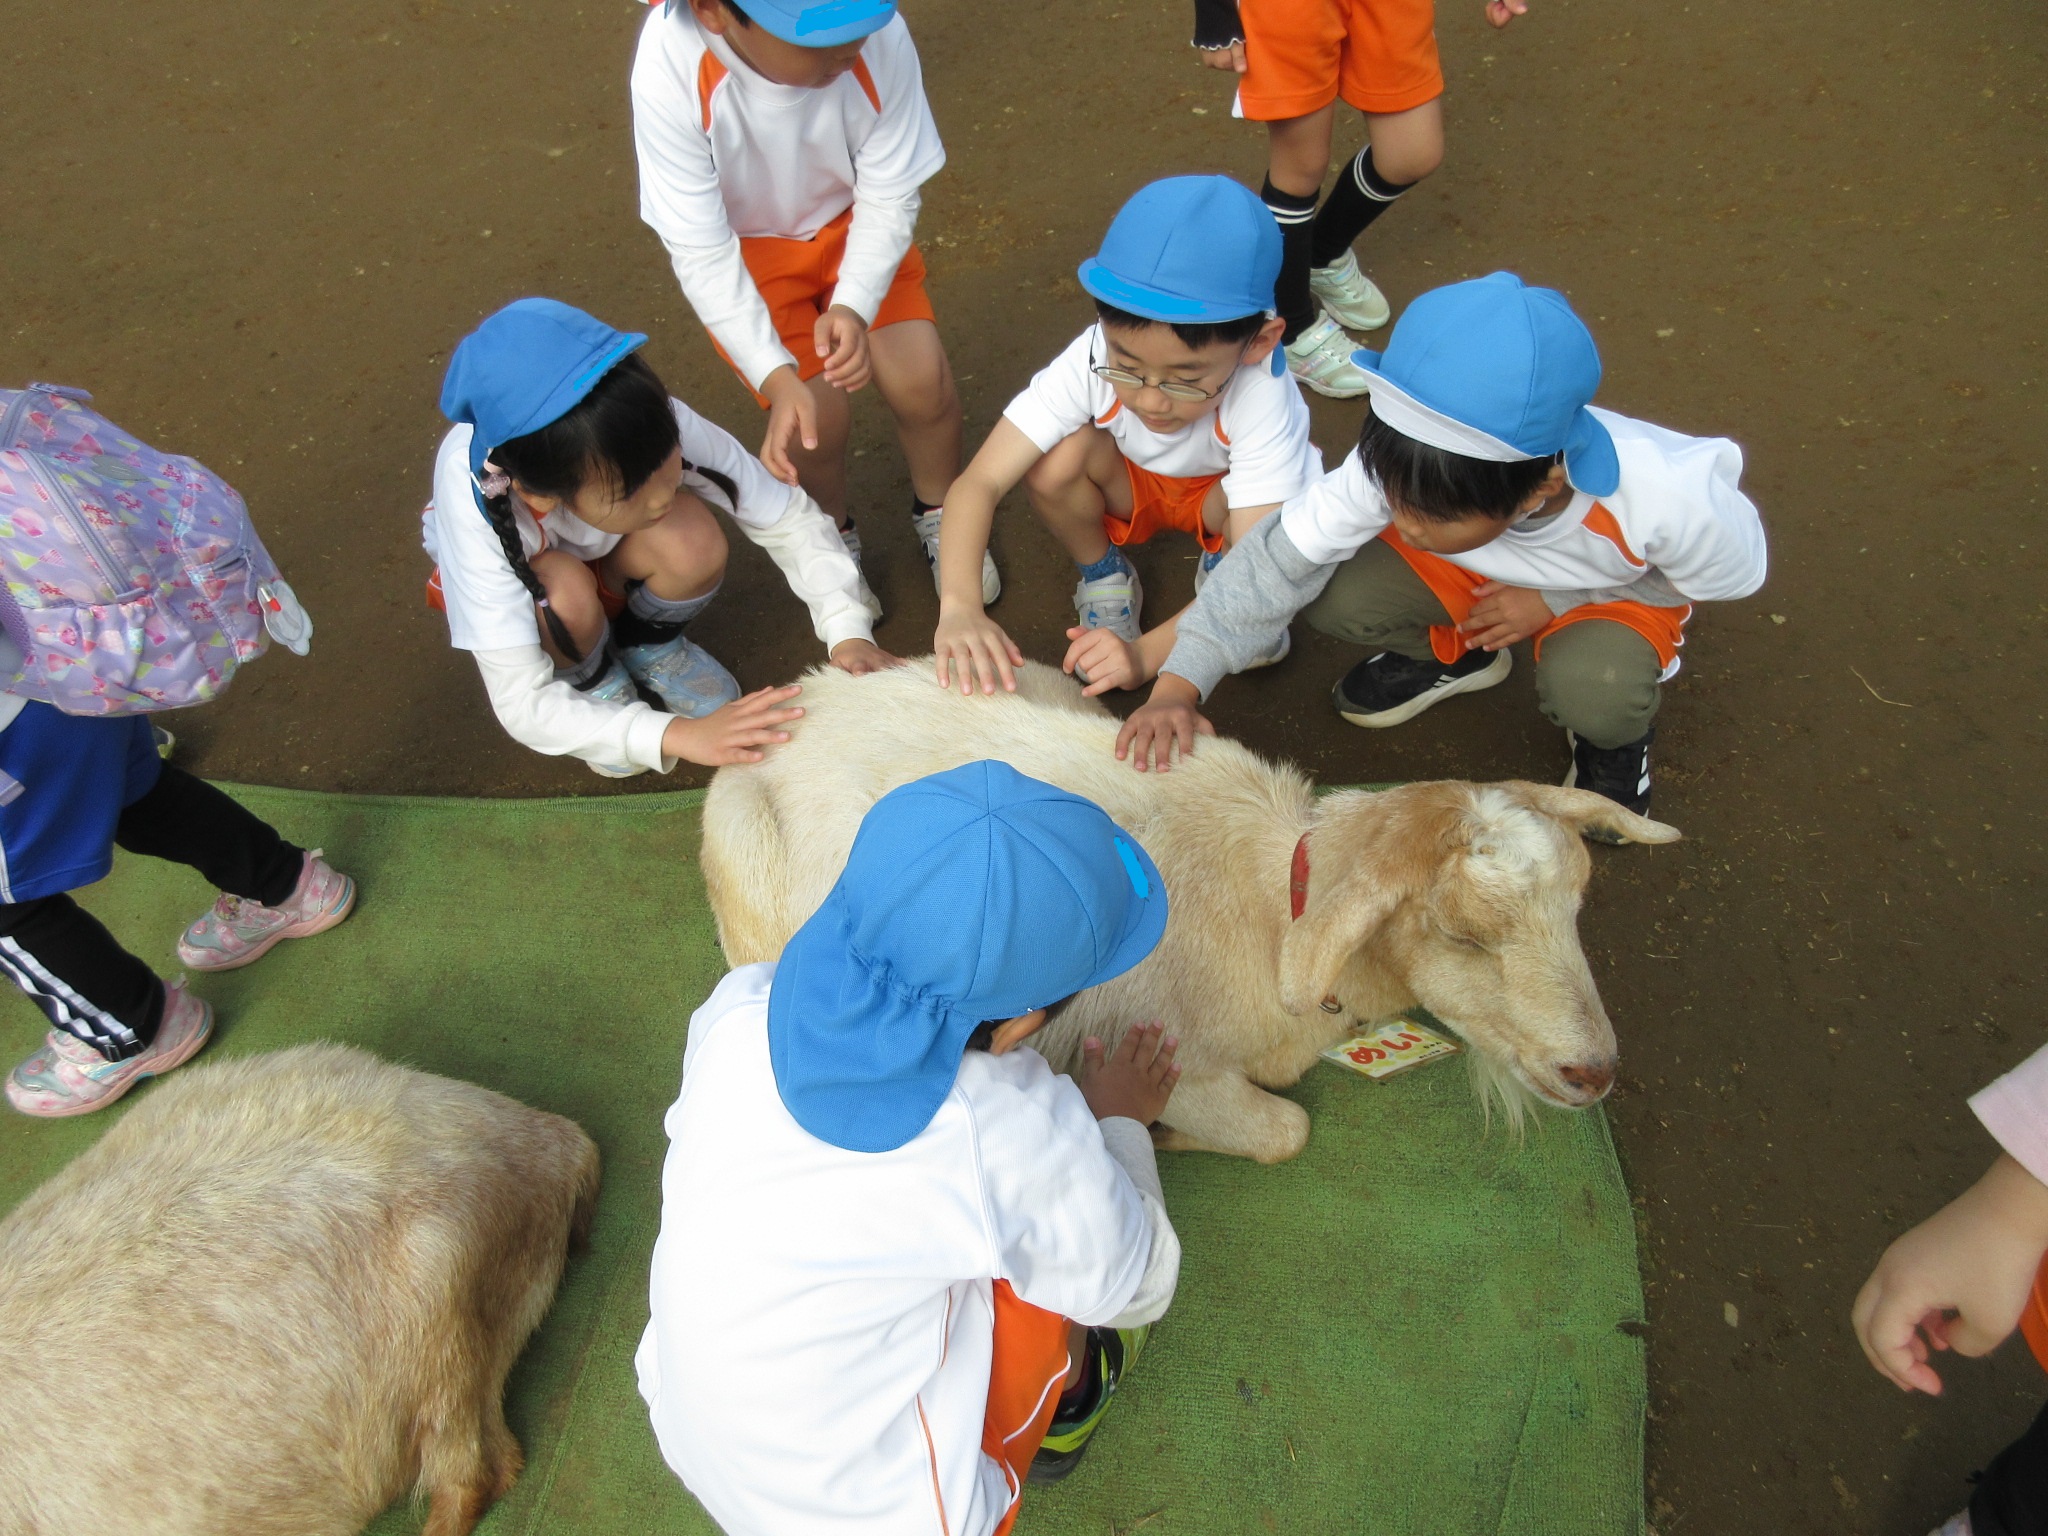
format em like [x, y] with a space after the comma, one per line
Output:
[631, 628]
[1296, 217]
[1360, 196]
[918, 507]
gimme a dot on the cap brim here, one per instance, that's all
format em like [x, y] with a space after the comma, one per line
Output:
[1590, 462]
[1149, 303]
[827, 24]
[1146, 916]
[856, 1062]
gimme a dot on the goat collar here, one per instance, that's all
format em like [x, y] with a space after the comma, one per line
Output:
[1297, 903]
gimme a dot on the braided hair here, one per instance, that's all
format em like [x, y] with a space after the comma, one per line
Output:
[621, 432]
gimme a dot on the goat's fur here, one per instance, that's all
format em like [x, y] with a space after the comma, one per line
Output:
[280, 1292]
[1461, 897]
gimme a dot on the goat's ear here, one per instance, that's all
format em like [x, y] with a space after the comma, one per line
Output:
[1583, 811]
[1339, 919]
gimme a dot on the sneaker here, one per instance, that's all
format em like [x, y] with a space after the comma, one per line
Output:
[682, 674]
[166, 743]
[615, 687]
[1348, 296]
[928, 534]
[1278, 654]
[1321, 358]
[1622, 774]
[1211, 558]
[1111, 1354]
[1957, 1524]
[850, 537]
[238, 930]
[68, 1077]
[1386, 689]
[1111, 603]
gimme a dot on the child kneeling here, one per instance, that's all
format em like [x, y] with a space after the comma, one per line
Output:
[1488, 502]
[1172, 412]
[897, 1273]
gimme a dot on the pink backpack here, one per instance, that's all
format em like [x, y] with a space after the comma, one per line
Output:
[130, 580]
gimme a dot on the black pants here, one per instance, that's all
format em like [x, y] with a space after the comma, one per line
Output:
[67, 962]
[2012, 1493]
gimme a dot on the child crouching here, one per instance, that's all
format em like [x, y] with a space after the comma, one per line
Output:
[890, 1262]
[1488, 502]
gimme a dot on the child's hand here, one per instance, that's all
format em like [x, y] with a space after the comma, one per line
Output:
[1232, 57]
[1167, 719]
[972, 647]
[791, 413]
[730, 733]
[1504, 614]
[1137, 1081]
[1957, 1281]
[841, 337]
[862, 656]
[1500, 12]
[1102, 660]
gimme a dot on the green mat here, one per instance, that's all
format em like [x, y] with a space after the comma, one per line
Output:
[1412, 1328]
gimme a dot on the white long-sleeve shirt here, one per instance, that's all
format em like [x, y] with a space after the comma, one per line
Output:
[1678, 524]
[491, 614]
[817, 1355]
[726, 155]
[1256, 436]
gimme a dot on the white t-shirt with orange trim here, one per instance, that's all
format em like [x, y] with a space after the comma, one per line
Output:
[817, 1357]
[1256, 437]
[727, 155]
[1678, 511]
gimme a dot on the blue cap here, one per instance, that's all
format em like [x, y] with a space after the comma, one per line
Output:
[820, 23]
[1189, 249]
[1495, 369]
[526, 366]
[975, 894]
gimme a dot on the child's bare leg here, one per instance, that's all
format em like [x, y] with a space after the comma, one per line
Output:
[1406, 146]
[1077, 1354]
[822, 470]
[572, 597]
[1074, 486]
[682, 556]
[916, 383]
[1298, 151]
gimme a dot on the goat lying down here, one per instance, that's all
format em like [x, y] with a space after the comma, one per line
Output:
[279, 1293]
[1461, 897]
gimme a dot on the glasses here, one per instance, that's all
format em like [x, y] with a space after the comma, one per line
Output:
[1173, 389]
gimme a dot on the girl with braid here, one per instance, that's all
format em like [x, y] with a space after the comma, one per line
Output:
[573, 541]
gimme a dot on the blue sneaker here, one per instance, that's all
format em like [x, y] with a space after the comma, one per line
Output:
[615, 687]
[682, 674]
[1111, 602]
[1211, 558]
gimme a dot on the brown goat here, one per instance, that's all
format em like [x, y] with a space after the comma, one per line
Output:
[278, 1293]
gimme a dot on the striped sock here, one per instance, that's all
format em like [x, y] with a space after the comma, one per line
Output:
[1360, 196]
[1296, 217]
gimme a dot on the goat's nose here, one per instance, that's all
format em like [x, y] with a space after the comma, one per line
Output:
[1590, 1078]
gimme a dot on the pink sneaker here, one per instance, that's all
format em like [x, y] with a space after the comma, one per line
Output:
[68, 1077]
[237, 930]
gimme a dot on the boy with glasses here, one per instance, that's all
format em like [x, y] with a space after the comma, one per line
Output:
[1172, 411]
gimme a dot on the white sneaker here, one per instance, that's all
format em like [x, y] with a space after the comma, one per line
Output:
[1348, 296]
[928, 532]
[1321, 358]
[850, 537]
[1278, 654]
[1111, 603]
[1209, 561]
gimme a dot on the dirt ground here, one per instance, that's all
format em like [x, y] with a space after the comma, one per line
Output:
[255, 230]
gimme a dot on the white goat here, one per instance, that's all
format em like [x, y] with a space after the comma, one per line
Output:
[1461, 897]
[277, 1294]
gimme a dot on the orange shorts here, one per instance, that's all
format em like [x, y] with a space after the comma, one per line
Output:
[1452, 584]
[796, 278]
[2034, 1321]
[1023, 1386]
[1301, 55]
[1160, 502]
[614, 604]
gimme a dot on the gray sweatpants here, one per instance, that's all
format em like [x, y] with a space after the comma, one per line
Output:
[1597, 678]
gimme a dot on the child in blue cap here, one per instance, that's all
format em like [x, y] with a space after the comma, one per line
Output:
[1488, 502]
[783, 146]
[573, 541]
[1172, 411]
[902, 1263]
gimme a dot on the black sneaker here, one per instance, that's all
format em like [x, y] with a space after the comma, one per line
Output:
[1622, 774]
[1386, 689]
